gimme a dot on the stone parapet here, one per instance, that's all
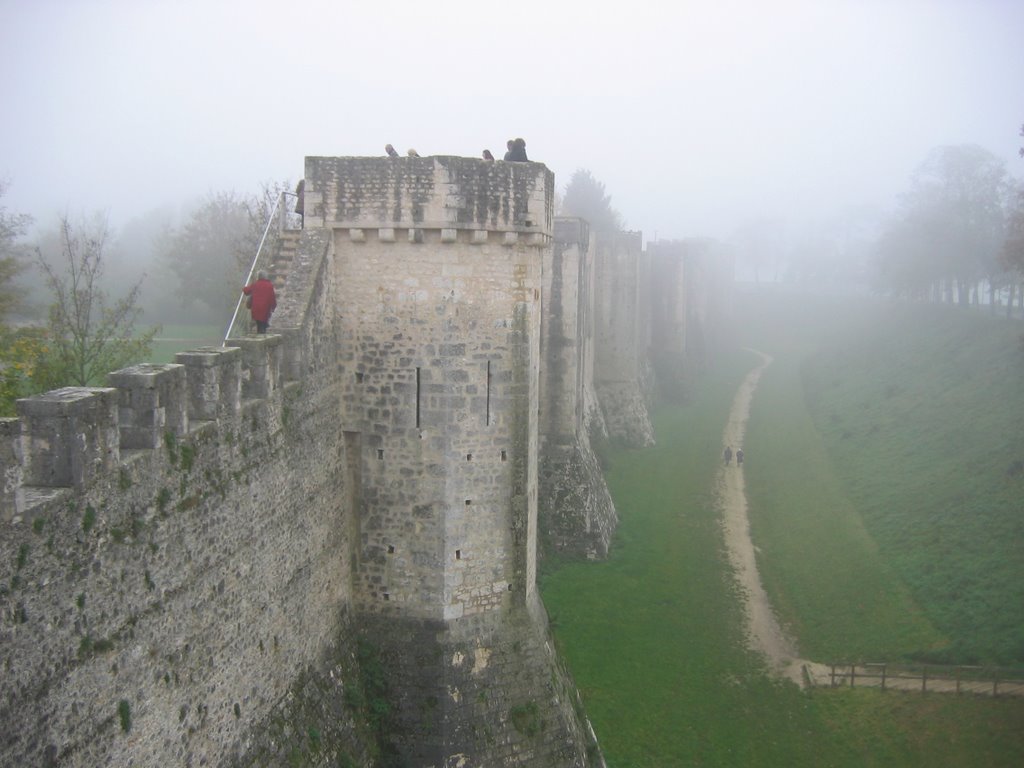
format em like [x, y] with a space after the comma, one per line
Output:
[13, 472]
[261, 365]
[151, 401]
[69, 435]
[214, 381]
[441, 193]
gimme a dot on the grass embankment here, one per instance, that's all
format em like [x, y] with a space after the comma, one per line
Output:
[826, 577]
[654, 638]
[887, 440]
[922, 416]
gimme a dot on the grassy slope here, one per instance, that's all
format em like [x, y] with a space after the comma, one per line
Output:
[654, 639]
[824, 572]
[654, 635]
[921, 415]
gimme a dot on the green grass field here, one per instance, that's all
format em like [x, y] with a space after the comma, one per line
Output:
[886, 440]
[177, 338]
[925, 427]
[653, 635]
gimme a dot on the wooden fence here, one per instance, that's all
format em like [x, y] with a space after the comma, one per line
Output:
[990, 681]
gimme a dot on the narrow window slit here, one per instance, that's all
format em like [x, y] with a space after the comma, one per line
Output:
[458, 554]
[488, 416]
[380, 454]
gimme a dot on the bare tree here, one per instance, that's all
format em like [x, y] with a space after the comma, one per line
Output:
[88, 336]
[210, 254]
[12, 256]
[202, 255]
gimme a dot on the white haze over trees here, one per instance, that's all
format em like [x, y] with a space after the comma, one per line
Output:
[798, 131]
[946, 236]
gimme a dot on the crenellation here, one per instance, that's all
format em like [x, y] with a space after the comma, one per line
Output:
[151, 401]
[261, 365]
[292, 365]
[11, 469]
[214, 382]
[69, 436]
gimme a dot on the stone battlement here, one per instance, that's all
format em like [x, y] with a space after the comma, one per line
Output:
[66, 438]
[442, 193]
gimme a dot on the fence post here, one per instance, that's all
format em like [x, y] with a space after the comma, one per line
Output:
[995, 683]
[924, 678]
[853, 673]
[958, 680]
[884, 666]
[833, 676]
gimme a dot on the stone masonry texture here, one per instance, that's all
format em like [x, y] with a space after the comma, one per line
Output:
[319, 546]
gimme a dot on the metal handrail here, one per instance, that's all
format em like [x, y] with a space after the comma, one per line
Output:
[255, 261]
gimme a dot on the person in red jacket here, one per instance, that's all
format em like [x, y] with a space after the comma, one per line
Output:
[262, 301]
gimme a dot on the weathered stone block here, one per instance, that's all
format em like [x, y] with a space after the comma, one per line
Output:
[10, 467]
[69, 435]
[261, 365]
[213, 376]
[152, 400]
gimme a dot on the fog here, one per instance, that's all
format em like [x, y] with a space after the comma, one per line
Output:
[697, 117]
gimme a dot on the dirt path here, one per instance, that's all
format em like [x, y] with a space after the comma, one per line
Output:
[764, 634]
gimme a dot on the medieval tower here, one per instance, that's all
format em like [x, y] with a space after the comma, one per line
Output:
[439, 261]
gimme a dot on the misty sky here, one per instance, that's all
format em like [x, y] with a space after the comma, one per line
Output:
[695, 115]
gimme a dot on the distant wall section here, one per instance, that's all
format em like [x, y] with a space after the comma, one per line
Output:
[577, 513]
[620, 347]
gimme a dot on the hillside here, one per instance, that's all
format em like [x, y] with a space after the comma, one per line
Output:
[920, 420]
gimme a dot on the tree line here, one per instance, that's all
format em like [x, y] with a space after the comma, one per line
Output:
[73, 298]
[958, 231]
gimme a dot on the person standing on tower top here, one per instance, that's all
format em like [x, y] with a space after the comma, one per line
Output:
[517, 152]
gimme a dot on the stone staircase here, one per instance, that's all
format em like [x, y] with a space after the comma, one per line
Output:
[280, 266]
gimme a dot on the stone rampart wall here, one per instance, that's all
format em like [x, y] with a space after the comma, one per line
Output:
[576, 510]
[691, 307]
[620, 347]
[172, 553]
[669, 311]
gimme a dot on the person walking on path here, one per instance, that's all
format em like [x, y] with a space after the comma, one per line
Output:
[739, 457]
[262, 301]
[727, 454]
